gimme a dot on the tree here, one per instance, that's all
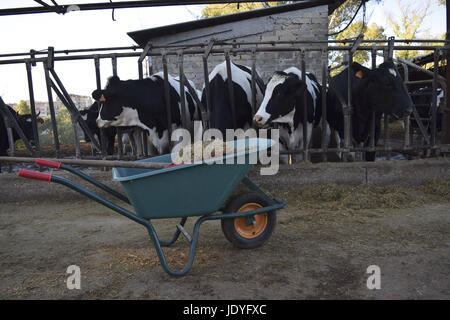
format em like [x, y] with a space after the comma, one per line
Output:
[371, 32]
[407, 25]
[214, 10]
[23, 108]
[347, 22]
[65, 127]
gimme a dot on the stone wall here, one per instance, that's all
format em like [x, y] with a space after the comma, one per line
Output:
[304, 25]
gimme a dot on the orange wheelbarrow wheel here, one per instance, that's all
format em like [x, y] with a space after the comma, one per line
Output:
[251, 231]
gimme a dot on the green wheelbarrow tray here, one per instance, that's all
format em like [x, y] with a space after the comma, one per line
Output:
[191, 189]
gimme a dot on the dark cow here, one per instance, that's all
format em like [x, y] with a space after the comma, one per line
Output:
[220, 106]
[380, 90]
[284, 103]
[24, 122]
[90, 116]
[142, 103]
[422, 99]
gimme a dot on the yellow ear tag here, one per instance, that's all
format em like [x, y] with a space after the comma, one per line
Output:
[102, 98]
[359, 74]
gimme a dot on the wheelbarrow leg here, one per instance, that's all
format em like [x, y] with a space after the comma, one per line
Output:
[175, 236]
[192, 247]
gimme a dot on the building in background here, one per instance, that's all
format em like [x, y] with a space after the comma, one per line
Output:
[304, 21]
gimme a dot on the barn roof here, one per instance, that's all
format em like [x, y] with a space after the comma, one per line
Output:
[141, 37]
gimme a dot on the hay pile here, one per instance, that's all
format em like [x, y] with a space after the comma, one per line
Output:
[344, 197]
[204, 150]
[437, 188]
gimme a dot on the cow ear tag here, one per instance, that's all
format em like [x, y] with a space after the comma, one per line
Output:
[359, 74]
[102, 98]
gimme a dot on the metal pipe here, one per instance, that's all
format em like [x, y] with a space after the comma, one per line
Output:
[52, 110]
[182, 94]
[209, 107]
[93, 163]
[348, 110]
[230, 89]
[305, 109]
[434, 105]
[223, 43]
[167, 99]
[324, 122]
[253, 83]
[222, 51]
[33, 108]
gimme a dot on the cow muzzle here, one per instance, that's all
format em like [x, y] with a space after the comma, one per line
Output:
[259, 121]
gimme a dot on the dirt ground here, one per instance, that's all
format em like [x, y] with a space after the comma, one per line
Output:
[325, 240]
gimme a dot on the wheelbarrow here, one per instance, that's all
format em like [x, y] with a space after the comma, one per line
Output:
[181, 191]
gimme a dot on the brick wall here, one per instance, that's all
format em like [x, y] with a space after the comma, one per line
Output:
[304, 25]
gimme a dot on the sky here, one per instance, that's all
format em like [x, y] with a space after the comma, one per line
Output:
[90, 29]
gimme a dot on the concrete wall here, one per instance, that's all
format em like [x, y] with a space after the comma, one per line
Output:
[307, 24]
[402, 173]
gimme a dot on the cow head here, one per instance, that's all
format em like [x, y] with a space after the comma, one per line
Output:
[282, 93]
[382, 89]
[25, 123]
[90, 117]
[113, 104]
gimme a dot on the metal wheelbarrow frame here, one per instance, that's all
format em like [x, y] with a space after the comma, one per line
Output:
[145, 220]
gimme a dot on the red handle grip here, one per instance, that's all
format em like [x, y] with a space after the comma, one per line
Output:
[35, 175]
[48, 163]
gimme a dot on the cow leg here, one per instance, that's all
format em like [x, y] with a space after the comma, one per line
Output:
[137, 135]
[284, 158]
[110, 145]
[125, 142]
[370, 156]
[338, 141]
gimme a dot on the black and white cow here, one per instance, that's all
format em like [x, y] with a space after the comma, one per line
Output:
[220, 105]
[24, 122]
[284, 103]
[380, 90]
[142, 103]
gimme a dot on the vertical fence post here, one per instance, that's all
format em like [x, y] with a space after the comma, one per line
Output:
[348, 111]
[33, 107]
[305, 109]
[114, 64]
[230, 88]
[119, 142]
[182, 93]
[102, 138]
[144, 53]
[434, 105]
[253, 82]
[208, 106]
[51, 105]
[324, 122]
[167, 98]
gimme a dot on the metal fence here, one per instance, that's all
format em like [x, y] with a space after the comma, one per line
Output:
[409, 143]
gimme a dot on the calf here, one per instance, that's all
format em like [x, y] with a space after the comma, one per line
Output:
[284, 103]
[142, 103]
[380, 90]
[220, 104]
